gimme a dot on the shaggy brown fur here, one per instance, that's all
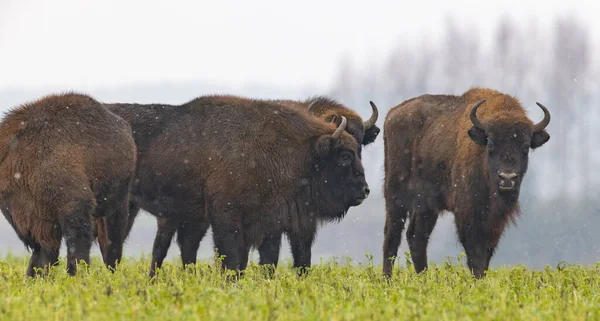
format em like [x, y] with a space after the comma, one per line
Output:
[437, 159]
[252, 167]
[329, 111]
[63, 159]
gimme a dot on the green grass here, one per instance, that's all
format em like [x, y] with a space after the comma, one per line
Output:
[331, 291]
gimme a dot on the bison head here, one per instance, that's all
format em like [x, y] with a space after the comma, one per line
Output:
[339, 177]
[508, 140]
[365, 132]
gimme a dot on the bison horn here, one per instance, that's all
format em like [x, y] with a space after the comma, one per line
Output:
[311, 107]
[340, 129]
[371, 121]
[476, 122]
[544, 123]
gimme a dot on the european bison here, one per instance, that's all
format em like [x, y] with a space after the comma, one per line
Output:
[365, 132]
[228, 159]
[63, 159]
[441, 155]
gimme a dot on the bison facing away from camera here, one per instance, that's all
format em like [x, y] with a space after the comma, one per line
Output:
[465, 154]
[63, 160]
[248, 167]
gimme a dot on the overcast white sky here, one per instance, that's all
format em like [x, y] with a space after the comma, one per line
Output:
[88, 43]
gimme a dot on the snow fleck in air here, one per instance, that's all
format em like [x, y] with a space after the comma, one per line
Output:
[515, 135]
[22, 123]
[17, 175]
[185, 161]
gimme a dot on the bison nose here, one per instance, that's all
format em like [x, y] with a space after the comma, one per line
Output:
[507, 180]
[367, 191]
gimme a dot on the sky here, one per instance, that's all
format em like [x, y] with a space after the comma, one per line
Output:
[88, 44]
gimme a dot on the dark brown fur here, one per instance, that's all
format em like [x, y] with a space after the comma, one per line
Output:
[63, 159]
[247, 165]
[327, 110]
[436, 160]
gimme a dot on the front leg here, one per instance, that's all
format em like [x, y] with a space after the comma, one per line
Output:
[301, 244]
[478, 247]
[269, 251]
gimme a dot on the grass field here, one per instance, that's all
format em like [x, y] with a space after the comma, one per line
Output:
[331, 291]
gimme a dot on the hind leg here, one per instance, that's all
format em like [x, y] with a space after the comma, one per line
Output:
[113, 207]
[419, 230]
[189, 236]
[35, 264]
[394, 224]
[162, 241]
[75, 225]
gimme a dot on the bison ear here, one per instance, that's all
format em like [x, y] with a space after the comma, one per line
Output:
[370, 135]
[478, 136]
[539, 139]
[323, 146]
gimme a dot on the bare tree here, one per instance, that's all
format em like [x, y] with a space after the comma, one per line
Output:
[570, 61]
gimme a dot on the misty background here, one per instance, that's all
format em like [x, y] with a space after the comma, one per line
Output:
[149, 52]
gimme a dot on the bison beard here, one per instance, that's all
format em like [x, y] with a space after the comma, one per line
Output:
[440, 155]
[64, 159]
[251, 168]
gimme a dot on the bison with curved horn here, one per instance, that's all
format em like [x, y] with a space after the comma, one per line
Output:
[465, 154]
[248, 167]
[365, 132]
[63, 160]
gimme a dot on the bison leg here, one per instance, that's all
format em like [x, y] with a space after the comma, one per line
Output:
[244, 254]
[394, 224]
[269, 251]
[301, 245]
[228, 240]
[419, 230]
[49, 257]
[189, 236]
[113, 208]
[478, 249]
[41, 260]
[35, 264]
[76, 229]
[164, 234]
[113, 251]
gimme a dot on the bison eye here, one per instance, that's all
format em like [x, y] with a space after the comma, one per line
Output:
[526, 149]
[346, 158]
